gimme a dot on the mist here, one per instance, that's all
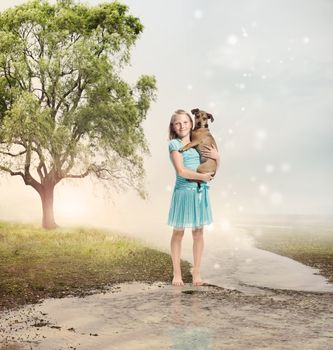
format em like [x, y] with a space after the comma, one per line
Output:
[264, 70]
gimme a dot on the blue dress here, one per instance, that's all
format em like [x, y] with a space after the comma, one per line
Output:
[190, 205]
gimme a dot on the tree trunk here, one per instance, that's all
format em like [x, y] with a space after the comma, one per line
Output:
[46, 196]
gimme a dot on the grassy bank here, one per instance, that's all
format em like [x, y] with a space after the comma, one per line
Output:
[37, 263]
[310, 245]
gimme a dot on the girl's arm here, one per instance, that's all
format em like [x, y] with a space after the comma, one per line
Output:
[212, 152]
[177, 160]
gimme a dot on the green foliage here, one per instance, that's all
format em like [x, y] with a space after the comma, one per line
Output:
[64, 108]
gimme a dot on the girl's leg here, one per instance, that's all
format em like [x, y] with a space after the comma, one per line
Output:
[176, 244]
[198, 245]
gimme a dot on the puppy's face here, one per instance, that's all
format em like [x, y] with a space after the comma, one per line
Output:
[201, 118]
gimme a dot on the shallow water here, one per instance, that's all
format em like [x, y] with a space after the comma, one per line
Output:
[159, 316]
[246, 313]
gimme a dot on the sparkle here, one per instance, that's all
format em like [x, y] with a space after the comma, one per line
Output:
[198, 14]
[305, 40]
[232, 39]
[210, 227]
[189, 87]
[240, 209]
[263, 189]
[263, 77]
[216, 266]
[244, 32]
[169, 188]
[243, 109]
[211, 104]
[230, 131]
[261, 134]
[285, 167]
[269, 168]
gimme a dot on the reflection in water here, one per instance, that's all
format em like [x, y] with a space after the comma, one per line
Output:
[185, 334]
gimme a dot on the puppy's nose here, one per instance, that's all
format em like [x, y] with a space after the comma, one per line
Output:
[199, 124]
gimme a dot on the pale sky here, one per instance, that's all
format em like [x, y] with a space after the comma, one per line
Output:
[264, 69]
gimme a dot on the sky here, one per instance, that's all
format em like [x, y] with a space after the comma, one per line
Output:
[264, 70]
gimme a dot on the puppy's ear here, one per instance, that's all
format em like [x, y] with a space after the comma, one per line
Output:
[210, 117]
[195, 110]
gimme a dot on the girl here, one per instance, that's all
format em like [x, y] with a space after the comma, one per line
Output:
[190, 205]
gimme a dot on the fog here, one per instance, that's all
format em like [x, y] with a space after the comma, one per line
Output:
[264, 70]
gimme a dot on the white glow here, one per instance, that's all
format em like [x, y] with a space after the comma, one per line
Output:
[216, 266]
[261, 134]
[198, 14]
[244, 32]
[285, 167]
[306, 40]
[189, 87]
[269, 168]
[210, 227]
[71, 204]
[263, 189]
[232, 39]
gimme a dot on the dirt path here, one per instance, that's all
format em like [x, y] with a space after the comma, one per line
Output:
[159, 316]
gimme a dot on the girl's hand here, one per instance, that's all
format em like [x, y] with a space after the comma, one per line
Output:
[207, 176]
[211, 152]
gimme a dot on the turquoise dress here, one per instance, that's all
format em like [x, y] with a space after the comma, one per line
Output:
[190, 205]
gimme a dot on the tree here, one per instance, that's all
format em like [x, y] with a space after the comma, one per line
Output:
[65, 112]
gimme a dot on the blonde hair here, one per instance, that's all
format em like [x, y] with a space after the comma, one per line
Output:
[172, 133]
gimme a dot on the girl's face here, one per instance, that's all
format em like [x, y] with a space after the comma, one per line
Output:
[182, 125]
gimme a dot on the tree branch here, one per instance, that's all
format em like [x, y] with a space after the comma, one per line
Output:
[12, 154]
[12, 173]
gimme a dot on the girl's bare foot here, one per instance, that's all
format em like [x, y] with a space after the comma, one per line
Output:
[177, 281]
[196, 278]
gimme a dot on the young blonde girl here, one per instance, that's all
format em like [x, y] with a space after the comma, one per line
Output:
[190, 204]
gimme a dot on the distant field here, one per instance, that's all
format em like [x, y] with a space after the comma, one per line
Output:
[36, 263]
[312, 244]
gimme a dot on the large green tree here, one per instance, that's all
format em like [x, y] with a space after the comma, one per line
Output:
[65, 111]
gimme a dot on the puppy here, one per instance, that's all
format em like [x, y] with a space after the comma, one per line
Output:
[201, 138]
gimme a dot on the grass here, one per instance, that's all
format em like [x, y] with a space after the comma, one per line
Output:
[310, 245]
[37, 263]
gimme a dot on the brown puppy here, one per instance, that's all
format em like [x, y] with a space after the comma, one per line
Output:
[201, 138]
